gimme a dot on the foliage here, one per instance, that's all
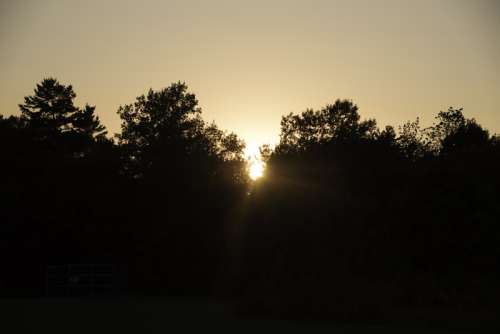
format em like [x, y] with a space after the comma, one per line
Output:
[412, 140]
[164, 128]
[339, 122]
[346, 212]
[52, 110]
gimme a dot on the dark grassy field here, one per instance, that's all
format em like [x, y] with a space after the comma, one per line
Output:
[161, 315]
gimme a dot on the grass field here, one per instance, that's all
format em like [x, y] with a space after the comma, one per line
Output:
[161, 315]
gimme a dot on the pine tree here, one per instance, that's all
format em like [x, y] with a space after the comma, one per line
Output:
[51, 112]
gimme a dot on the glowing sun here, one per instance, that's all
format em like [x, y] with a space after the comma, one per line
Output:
[256, 169]
[255, 165]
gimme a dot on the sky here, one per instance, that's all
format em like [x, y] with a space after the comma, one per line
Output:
[251, 62]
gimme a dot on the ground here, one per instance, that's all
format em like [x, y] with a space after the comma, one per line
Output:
[161, 315]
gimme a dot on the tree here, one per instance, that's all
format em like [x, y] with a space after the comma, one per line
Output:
[51, 112]
[470, 136]
[455, 133]
[412, 140]
[338, 122]
[163, 131]
[185, 173]
[448, 123]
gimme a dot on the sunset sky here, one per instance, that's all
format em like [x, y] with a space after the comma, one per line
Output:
[250, 62]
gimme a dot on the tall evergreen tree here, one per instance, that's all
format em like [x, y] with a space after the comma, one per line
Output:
[51, 111]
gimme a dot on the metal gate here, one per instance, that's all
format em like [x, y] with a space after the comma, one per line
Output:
[71, 280]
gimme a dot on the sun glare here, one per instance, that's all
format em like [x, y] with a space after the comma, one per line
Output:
[256, 170]
[255, 165]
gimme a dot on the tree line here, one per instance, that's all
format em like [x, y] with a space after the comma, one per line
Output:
[348, 217]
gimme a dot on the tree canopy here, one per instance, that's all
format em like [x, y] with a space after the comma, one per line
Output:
[337, 122]
[164, 129]
[347, 214]
[52, 108]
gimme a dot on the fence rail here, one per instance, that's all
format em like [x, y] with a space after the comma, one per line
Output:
[80, 279]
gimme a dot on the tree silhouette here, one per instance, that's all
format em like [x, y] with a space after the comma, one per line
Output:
[449, 122]
[412, 140]
[339, 122]
[454, 133]
[186, 172]
[163, 129]
[361, 206]
[348, 217]
[52, 108]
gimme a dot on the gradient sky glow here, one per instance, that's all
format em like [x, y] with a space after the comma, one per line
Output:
[250, 62]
